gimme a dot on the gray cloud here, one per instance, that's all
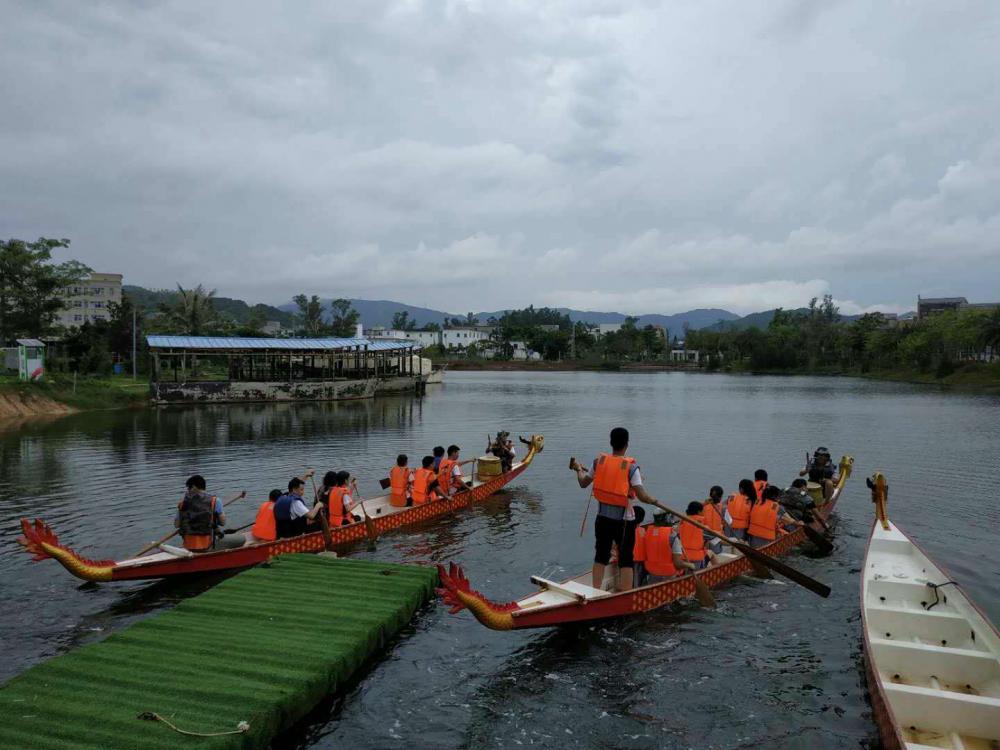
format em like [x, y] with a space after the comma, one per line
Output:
[472, 155]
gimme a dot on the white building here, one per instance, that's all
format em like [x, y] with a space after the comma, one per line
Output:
[605, 328]
[272, 328]
[88, 300]
[449, 338]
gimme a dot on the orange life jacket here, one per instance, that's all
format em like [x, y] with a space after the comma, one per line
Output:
[422, 479]
[611, 485]
[335, 506]
[692, 540]
[713, 517]
[760, 485]
[764, 520]
[264, 526]
[657, 555]
[399, 478]
[444, 474]
[739, 511]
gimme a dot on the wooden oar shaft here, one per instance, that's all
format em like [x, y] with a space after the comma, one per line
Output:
[776, 565]
[175, 532]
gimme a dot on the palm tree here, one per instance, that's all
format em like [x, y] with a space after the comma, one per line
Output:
[192, 311]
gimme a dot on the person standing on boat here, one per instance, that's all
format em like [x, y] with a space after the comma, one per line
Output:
[738, 509]
[767, 517]
[821, 471]
[616, 483]
[291, 515]
[400, 483]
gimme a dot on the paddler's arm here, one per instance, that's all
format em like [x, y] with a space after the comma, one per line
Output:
[582, 475]
[640, 492]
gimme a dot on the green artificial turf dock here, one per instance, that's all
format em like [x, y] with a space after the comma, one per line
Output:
[263, 647]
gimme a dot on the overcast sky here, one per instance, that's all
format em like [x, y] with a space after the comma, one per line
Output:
[639, 157]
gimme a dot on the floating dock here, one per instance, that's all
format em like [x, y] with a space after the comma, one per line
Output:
[262, 648]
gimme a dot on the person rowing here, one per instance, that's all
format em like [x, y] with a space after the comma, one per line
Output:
[714, 517]
[292, 517]
[200, 518]
[767, 518]
[438, 456]
[616, 483]
[658, 554]
[424, 487]
[694, 543]
[738, 508]
[401, 483]
[339, 500]
[797, 502]
[759, 483]
[264, 528]
[450, 477]
[821, 471]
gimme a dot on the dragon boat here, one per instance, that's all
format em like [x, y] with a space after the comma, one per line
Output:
[932, 657]
[575, 600]
[39, 540]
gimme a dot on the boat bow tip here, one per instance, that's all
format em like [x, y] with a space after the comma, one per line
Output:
[41, 542]
[456, 592]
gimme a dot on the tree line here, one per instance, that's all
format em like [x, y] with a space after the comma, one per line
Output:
[817, 339]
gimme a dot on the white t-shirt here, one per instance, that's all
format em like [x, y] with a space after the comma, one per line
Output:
[298, 509]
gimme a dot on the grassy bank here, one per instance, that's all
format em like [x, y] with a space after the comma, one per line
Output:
[113, 392]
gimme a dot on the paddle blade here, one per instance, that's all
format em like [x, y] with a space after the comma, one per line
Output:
[384, 483]
[822, 543]
[702, 593]
[371, 531]
[820, 589]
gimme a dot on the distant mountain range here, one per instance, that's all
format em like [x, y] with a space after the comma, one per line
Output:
[380, 313]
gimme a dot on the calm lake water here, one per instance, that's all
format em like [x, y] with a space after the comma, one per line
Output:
[774, 664]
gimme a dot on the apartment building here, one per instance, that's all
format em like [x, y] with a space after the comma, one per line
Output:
[88, 300]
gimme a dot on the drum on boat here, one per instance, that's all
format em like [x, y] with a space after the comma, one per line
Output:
[488, 467]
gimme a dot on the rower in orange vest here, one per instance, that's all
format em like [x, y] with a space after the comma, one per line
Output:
[766, 518]
[450, 472]
[738, 509]
[760, 483]
[693, 540]
[714, 519]
[424, 480]
[616, 483]
[340, 503]
[658, 553]
[264, 527]
[400, 479]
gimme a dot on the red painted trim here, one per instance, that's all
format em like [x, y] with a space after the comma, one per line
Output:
[648, 598]
[243, 557]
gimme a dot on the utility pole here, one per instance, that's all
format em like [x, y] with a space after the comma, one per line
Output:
[133, 342]
[572, 340]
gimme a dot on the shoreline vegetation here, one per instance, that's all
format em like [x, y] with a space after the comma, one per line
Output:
[57, 397]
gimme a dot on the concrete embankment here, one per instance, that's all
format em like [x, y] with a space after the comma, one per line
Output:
[251, 657]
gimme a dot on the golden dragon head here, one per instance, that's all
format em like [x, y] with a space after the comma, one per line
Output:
[39, 540]
[535, 445]
[456, 592]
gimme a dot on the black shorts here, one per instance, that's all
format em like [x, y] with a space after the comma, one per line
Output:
[608, 531]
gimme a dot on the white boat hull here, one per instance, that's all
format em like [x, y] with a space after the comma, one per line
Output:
[933, 659]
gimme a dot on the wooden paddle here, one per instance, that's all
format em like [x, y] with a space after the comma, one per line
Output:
[702, 593]
[824, 545]
[777, 566]
[370, 529]
[574, 465]
[175, 532]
